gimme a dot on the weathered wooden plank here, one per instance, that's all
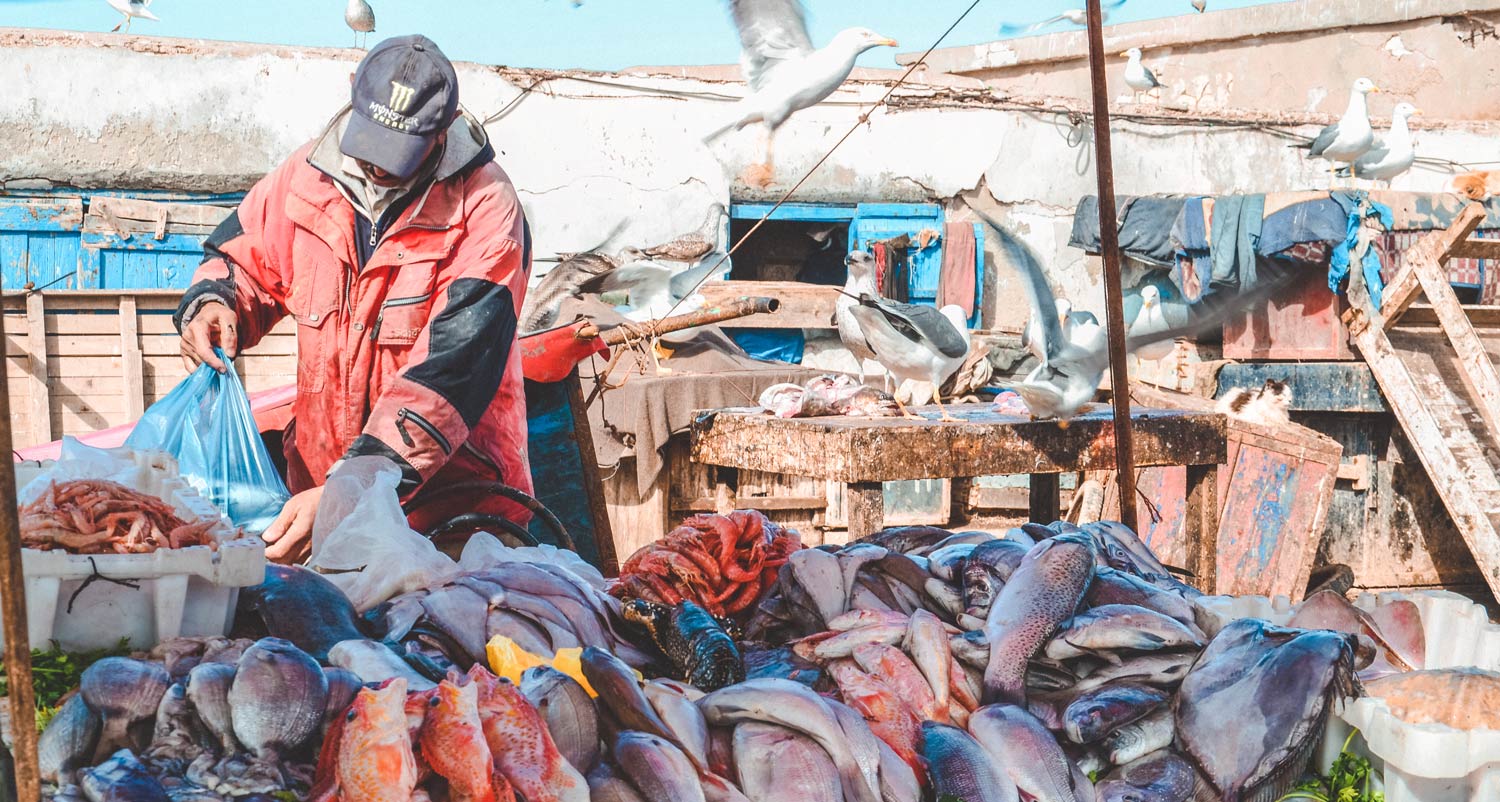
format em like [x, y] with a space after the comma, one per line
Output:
[1044, 500]
[130, 348]
[40, 405]
[1201, 525]
[803, 306]
[1402, 290]
[1315, 386]
[1476, 249]
[1482, 316]
[636, 519]
[982, 444]
[866, 508]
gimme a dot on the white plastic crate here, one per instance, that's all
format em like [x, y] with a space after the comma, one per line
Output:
[178, 592]
[1419, 762]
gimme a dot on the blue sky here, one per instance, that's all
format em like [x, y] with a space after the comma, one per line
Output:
[599, 34]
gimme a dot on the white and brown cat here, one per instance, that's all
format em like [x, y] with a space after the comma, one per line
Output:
[1268, 405]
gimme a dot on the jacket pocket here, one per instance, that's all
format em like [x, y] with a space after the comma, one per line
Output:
[407, 305]
[311, 303]
[406, 420]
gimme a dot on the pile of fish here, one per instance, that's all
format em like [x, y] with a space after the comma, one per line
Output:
[225, 720]
[95, 516]
[828, 395]
[722, 563]
[1027, 662]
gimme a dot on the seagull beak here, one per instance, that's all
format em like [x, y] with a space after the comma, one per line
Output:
[889, 43]
[1374, 89]
[1126, 54]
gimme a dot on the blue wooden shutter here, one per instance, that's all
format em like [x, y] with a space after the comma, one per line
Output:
[39, 242]
[874, 222]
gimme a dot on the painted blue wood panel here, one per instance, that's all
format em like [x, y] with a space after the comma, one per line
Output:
[39, 242]
[113, 263]
[800, 212]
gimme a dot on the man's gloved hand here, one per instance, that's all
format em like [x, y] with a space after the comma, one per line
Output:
[213, 324]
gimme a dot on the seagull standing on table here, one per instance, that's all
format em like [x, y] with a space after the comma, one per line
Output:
[1391, 156]
[131, 9]
[861, 281]
[916, 343]
[786, 74]
[1348, 139]
[1137, 76]
[360, 18]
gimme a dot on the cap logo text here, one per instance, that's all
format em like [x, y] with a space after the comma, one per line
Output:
[401, 97]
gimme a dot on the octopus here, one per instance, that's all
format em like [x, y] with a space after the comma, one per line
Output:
[722, 563]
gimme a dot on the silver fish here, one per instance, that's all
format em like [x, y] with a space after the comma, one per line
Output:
[853, 557]
[947, 598]
[569, 713]
[122, 691]
[819, 574]
[122, 778]
[789, 704]
[621, 693]
[606, 786]
[1044, 592]
[521, 630]
[955, 539]
[1158, 669]
[1266, 690]
[971, 648]
[872, 755]
[961, 768]
[1120, 587]
[660, 770]
[688, 729]
[343, 684]
[927, 643]
[1026, 751]
[68, 742]
[208, 691]
[781, 765]
[1138, 739]
[1110, 627]
[1099, 712]
[1123, 544]
[462, 613]
[947, 563]
[844, 643]
[987, 569]
[375, 662]
[1162, 776]
[278, 698]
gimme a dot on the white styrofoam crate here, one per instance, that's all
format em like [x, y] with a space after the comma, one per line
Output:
[179, 592]
[1419, 762]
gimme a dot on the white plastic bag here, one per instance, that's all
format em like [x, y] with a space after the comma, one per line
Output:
[361, 541]
[144, 471]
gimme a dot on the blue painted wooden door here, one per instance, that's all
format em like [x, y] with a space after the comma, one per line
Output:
[39, 242]
[922, 223]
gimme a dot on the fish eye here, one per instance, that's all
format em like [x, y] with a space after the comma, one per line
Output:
[350, 715]
[434, 702]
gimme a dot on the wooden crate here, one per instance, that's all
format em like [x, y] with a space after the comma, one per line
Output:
[1299, 322]
[1275, 491]
[82, 361]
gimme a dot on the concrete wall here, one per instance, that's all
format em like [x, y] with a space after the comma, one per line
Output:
[613, 160]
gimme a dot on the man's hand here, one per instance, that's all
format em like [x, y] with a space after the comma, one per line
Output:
[289, 537]
[213, 324]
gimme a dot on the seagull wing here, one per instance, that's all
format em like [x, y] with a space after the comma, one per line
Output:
[922, 323]
[567, 279]
[1325, 138]
[683, 284]
[1370, 163]
[1011, 27]
[771, 32]
[637, 277]
[1038, 292]
[1151, 76]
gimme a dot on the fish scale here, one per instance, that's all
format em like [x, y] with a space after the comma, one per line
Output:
[1043, 592]
[960, 767]
[523, 749]
[453, 743]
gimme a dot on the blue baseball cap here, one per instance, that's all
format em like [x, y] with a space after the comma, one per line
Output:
[405, 93]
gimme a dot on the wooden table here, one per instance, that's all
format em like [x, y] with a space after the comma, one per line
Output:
[865, 452]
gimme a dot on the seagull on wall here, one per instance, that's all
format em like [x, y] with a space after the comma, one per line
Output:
[786, 74]
[1349, 138]
[361, 19]
[1074, 16]
[1137, 76]
[131, 9]
[1391, 156]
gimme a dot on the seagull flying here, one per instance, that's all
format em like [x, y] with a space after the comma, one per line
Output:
[861, 281]
[1349, 138]
[360, 18]
[655, 290]
[1075, 16]
[1076, 327]
[1201, 5]
[131, 9]
[1137, 76]
[1391, 156]
[786, 74]
[915, 343]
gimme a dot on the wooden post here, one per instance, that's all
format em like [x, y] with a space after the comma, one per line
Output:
[13, 591]
[866, 508]
[593, 482]
[1114, 298]
[1046, 498]
[1200, 528]
[36, 353]
[132, 362]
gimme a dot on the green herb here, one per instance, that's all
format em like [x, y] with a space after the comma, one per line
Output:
[54, 673]
[1094, 776]
[1348, 780]
[285, 796]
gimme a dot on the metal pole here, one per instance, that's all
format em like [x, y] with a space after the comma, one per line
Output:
[13, 611]
[1114, 298]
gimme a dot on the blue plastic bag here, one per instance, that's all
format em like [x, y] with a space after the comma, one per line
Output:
[206, 423]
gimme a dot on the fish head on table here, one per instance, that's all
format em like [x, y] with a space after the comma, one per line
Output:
[453, 743]
[1097, 713]
[569, 712]
[1275, 685]
[278, 698]
[375, 758]
[1162, 776]
[1044, 592]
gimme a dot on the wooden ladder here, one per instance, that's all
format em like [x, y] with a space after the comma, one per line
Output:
[1447, 401]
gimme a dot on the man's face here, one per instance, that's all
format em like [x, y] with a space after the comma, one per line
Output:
[382, 178]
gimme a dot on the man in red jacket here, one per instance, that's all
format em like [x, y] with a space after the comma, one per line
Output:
[402, 252]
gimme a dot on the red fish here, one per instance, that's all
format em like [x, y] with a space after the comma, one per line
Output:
[375, 760]
[897, 670]
[453, 743]
[522, 748]
[890, 719]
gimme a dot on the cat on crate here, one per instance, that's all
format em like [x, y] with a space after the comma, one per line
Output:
[1268, 405]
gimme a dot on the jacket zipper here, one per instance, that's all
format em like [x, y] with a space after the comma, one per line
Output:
[403, 415]
[380, 318]
[500, 475]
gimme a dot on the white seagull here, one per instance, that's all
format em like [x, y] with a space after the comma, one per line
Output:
[1137, 76]
[131, 9]
[1148, 320]
[1075, 16]
[861, 281]
[1391, 156]
[1079, 327]
[915, 343]
[655, 290]
[786, 74]
[360, 18]
[1349, 138]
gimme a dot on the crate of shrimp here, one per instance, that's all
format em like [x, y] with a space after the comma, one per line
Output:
[116, 544]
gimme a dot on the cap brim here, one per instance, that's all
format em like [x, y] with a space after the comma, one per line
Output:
[397, 153]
